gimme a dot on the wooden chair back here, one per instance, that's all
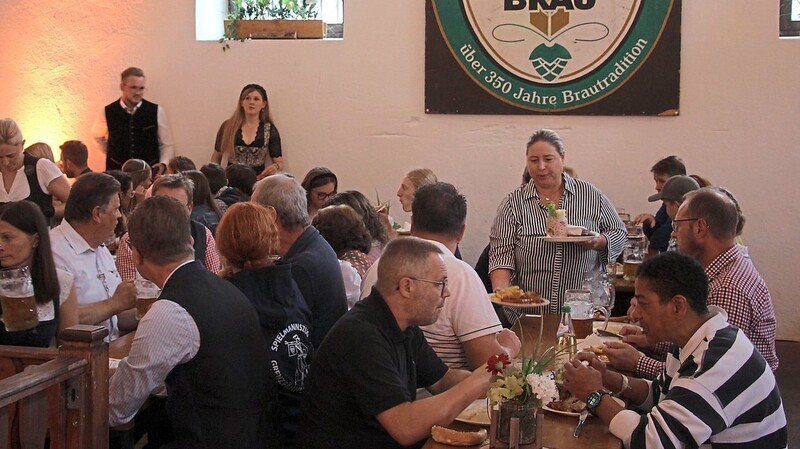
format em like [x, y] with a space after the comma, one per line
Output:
[61, 393]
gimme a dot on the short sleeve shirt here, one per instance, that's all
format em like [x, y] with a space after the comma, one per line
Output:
[365, 366]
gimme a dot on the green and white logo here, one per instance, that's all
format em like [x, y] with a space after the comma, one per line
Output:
[551, 55]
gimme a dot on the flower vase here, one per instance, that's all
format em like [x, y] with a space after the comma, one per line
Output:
[526, 412]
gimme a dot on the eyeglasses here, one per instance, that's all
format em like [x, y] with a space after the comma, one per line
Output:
[324, 196]
[675, 228]
[443, 283]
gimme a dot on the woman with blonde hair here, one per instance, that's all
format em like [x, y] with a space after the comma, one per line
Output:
[247, 238]
[414, 180]
[249, 137]
[25, 177]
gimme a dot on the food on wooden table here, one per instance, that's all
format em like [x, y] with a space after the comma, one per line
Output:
[596, 349]
[458, 438]
[567, 402]
[517, 295]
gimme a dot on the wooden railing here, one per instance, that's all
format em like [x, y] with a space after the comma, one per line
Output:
[60, 394]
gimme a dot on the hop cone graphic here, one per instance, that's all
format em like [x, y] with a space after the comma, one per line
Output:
[549, 62]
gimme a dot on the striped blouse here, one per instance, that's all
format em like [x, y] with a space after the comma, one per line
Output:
[717, 391]
[546, 267]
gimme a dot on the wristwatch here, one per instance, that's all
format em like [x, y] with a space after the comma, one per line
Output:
[594, 399]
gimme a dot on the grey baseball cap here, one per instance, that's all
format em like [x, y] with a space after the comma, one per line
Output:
[675, 188]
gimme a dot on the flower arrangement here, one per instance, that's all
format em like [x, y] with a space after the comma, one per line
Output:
[529, 384]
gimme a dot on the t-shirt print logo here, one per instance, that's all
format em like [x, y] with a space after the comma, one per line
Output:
[289, 353]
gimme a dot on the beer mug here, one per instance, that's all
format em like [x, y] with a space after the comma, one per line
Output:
[146, 294]
[582, 311]
[17, 301]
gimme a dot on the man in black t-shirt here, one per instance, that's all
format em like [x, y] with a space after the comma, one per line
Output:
[361, 390]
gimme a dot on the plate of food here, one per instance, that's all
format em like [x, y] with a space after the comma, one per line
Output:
[567, 404]
[516, 297]
[475, 413]
[570, 238]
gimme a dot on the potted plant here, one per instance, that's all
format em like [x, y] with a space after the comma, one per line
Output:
[272, 19]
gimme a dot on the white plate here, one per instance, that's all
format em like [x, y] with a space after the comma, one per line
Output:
[517, 305]
[576, 414]
[559, 412]
[475, 413]
[569, 239]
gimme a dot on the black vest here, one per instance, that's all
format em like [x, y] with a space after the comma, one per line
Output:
[37, 195]
[217, 399]
[132, 136]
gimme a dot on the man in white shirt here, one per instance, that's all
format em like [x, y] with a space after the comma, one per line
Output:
[132, 127]
[467, 331]
[90, 217]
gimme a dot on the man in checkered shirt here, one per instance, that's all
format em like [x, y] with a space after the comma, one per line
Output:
[706, 227]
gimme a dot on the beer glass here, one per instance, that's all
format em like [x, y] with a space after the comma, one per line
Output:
[146, 294]
[16, 298]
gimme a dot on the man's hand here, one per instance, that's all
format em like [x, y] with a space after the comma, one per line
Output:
[582, 380]
[509, 341]
[647, 219]
[125, 296]
[634, 336]
[623, 356]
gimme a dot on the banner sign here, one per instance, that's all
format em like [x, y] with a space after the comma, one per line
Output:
[606, 57]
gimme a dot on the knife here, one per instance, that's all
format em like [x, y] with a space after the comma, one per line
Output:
[605, 333]
[581, 420]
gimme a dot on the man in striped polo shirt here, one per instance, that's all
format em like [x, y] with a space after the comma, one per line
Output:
[715, 391]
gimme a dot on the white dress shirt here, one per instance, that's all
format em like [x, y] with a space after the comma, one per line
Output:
[95, 275]
[46, 172]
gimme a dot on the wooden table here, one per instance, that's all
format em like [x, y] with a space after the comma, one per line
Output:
[557, 432]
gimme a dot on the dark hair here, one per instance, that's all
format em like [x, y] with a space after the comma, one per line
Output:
[138, 170]
[549, 136]
[318, 176]
[257, 87]
[122, 178]
[672, 273]
[362, 206]
[670, 165]
[28, 218]
[180, 164]
[215, 175]
[718, 208]
[342, 227]
[241, 177]
[89, 191]
[439, 209]
[75, 151]
[159, 229]
[131, 71]
[202, 194]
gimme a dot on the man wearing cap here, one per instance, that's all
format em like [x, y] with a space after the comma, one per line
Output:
[657, 227]
[672, 195]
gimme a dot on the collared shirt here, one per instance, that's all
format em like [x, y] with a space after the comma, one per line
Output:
[95, 275]
[166, 145]
[467, 313]
[46, 172]
[714, 392]
[546, 267]
[735, 285]
[127, 269]
[167, 336]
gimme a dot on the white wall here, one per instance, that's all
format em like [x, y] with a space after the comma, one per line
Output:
[356, 106]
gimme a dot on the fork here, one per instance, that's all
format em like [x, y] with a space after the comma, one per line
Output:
[581, 420]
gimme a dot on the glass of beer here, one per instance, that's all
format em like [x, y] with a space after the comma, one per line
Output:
[146, 294]
[582, 311]
[631, 259]
[16, 298]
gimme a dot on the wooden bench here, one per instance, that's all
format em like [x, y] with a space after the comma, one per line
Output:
[56, 394]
